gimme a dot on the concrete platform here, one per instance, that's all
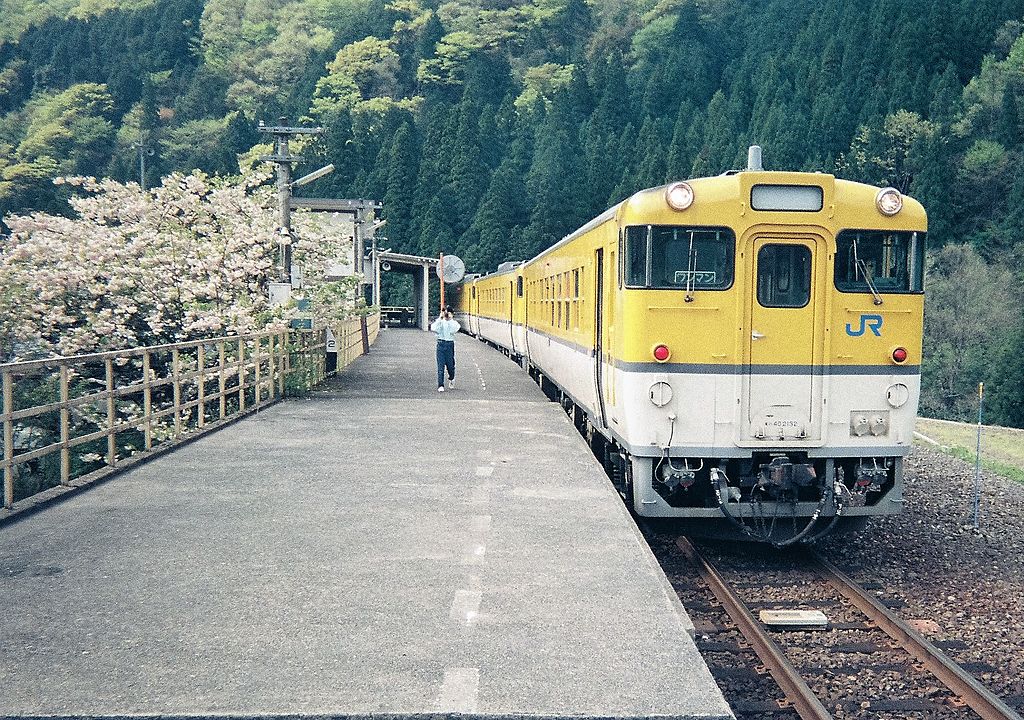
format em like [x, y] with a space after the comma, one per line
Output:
[375, 550]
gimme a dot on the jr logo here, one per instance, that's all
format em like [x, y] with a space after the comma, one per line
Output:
[867, 322]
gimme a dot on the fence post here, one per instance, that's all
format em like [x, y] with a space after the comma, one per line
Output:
[320, 357]
[241, 374]
[222, 381]
[176, 383]
[8, 391]
[288, 355]
[201, 361]
[282, 356]
[111, 415]
[256, 367]
[65, 427]
[147, 398]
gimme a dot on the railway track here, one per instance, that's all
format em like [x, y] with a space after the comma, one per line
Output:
[859, 660]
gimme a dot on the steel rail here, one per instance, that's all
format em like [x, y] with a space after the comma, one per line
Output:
[804, 701]
[979, 698]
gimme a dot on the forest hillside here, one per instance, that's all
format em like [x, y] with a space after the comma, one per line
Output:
[493, 127]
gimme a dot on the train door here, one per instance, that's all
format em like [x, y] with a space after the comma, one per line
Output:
[599, 335]
[783, 391]
[511, 317]
[474, 320]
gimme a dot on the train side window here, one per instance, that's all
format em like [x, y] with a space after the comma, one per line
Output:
[636, 255]
[892, 262]
[519, 286]
[784, 276]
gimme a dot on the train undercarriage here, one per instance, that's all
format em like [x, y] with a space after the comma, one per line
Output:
[776, 497]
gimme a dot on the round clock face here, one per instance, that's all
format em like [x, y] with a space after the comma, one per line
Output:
[454, 269]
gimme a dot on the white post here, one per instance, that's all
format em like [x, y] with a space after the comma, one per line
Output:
[425, 300]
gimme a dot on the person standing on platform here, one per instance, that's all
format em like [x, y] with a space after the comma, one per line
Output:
[445, 327]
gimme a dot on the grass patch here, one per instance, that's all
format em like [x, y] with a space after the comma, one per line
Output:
[1002, 449]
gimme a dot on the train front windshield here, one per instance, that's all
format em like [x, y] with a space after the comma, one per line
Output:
[891, 262]
[678, 257]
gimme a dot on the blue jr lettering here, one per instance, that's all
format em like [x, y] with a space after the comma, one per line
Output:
[867, 322]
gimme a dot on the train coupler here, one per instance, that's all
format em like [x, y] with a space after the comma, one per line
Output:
[783, 475]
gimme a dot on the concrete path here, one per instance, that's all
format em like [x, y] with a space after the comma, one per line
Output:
[375, 549]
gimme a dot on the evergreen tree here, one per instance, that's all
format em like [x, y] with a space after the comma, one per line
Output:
[496, 233]
[946, 96]
[469, 175]
[1008, 124]
[433, 31]
[679, 161]
[554, 179]
[402, 169]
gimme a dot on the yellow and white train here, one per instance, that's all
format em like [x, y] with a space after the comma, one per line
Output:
[742, 349]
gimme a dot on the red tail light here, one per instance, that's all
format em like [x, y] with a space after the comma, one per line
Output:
[899, 355]
[662, 353]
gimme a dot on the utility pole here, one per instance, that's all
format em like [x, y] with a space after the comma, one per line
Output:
[283, 158]
[144, 151]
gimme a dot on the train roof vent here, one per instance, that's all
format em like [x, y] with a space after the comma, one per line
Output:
[505, 266]
[754, 163]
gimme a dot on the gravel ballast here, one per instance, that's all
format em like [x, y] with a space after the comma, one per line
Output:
[968, 581]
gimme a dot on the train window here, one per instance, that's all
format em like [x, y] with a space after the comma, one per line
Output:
[891, 262]
[676, 257]
[519, 286]
[784, 276]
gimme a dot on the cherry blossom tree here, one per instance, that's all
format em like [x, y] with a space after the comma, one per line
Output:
[189, 259]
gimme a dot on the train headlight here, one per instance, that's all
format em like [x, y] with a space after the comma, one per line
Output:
[679, 196]
[889, 201]
[661, 353]
[899, 355]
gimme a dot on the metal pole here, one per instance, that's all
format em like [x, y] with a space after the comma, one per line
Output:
[440, 272]
[357, 247]
[375, 293]
[284, 196]
[425, 298]
[977, 456]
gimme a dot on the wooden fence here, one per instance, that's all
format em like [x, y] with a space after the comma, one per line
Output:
[68, 421]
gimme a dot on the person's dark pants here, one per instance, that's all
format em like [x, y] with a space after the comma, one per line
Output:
[445, 359]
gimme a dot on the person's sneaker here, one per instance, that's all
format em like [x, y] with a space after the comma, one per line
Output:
[451, 384]
[441, 389]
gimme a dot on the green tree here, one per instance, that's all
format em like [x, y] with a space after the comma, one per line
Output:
[556, 193]
[63, 133]
[401, 179]
[970, 307]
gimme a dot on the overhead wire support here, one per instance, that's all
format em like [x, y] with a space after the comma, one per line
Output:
[283, 158]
